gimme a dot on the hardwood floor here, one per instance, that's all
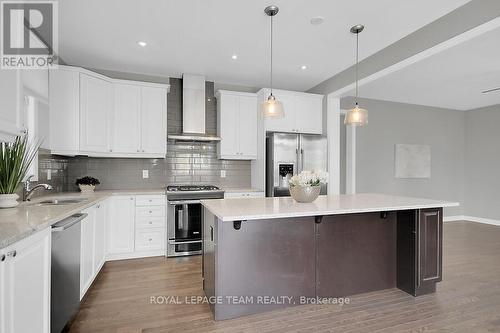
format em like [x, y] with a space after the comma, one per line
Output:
[468, 299]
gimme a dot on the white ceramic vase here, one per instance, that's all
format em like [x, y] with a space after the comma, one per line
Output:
[305, 194]
[86, 188]
[8, 200]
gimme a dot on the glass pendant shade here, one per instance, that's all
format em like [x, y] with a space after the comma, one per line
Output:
[356, 116]
[272, 108]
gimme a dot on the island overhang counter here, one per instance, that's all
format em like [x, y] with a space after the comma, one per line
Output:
[261, 254]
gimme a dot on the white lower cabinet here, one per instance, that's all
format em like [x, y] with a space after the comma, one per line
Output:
[93, 245]
[121, 225]
[136, 226]
[87, 251]
[25, 285]
[149, 239]
[100, 235]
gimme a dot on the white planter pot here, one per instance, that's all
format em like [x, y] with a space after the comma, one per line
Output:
[86, 188]
[8, 200]
[305, 194]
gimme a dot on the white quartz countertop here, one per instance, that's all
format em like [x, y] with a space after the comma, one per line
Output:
[28, 218]
[269, 208]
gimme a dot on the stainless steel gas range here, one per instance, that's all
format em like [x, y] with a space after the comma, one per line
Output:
[184, 217]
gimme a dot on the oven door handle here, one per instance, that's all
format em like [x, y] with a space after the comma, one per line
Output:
[184, 202]
[172, 242]
[180, 219]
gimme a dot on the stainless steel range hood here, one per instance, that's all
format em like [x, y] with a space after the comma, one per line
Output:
[193, 110]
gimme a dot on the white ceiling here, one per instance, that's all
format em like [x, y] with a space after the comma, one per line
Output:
[199, 36]
[452, 79]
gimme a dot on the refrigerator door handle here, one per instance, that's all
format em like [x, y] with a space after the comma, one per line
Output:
[301, 159]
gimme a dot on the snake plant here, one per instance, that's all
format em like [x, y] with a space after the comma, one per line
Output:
[15, 160]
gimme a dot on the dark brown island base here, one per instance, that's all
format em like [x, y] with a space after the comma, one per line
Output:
[262, 254]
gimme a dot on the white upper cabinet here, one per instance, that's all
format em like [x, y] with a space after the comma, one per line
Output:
[237, 125]
[11, 111]
[126, 119]
[303, 112]
[96, 98]
[64, 101]
[247, 126]
[98, 116]
[153, 120]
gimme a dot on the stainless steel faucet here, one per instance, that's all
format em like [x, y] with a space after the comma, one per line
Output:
[28, 191]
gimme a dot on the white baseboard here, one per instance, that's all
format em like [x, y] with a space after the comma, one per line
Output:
[472, 219]
[453, 218]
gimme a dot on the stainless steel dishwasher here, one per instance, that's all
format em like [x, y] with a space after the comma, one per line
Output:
[65, 285]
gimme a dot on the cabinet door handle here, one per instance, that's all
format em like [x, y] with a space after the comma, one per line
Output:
[12, 254]
[211, 233]
[2, 258]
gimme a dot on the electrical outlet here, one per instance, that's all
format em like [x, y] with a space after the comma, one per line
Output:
[145, 173]
[49, 174]
[223, 174]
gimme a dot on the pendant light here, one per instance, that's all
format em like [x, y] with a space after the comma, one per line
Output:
[272, 108]
[356, 116]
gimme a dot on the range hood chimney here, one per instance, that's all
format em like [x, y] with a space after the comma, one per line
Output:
[193, 110]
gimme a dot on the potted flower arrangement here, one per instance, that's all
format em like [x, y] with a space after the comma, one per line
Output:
[15, 160]
[306, 186]
[87, 184]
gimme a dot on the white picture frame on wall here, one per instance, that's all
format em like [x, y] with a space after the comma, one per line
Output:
[412, 161]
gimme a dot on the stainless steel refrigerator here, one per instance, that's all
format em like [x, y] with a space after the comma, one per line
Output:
[289, 154]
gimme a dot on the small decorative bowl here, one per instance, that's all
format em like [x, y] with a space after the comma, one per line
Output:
[86, 188]
[305, 194]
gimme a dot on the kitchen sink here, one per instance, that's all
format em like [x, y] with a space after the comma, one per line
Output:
[58, 202]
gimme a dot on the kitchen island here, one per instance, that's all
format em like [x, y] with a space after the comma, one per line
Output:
[261, 254]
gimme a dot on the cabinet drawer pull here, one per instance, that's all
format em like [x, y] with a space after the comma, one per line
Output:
[150, 239]
[150, 222]
[12, 254]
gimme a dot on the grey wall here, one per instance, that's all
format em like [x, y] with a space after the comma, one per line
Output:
[186, 163]
[391, 123]
[482, 163]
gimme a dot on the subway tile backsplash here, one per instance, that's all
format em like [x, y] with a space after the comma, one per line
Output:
[185, 163]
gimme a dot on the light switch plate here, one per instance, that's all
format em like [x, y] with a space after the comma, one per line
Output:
[223, 174]
[145, 173]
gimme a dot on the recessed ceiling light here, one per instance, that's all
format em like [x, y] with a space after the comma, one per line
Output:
[234, 56]
[142, 44]
[303, 67]
[317, 20]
